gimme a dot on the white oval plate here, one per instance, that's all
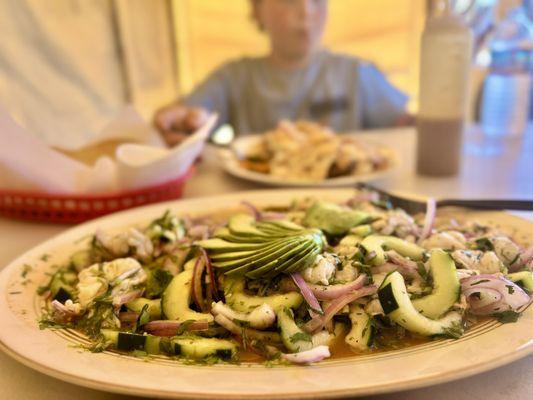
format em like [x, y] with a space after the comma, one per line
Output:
[55, 353]
[232, 166]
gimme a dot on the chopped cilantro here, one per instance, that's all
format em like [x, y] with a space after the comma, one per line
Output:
[484, 244]
[422, 270]
[158, 280]
[506, 317]
[26, 268]
[142, 319]
[480, 281]
[301, 337]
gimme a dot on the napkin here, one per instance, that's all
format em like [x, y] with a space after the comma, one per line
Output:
[137, 157]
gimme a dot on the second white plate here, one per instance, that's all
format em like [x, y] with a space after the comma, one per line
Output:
[232, 166]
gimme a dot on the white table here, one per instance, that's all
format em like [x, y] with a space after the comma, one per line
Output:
[490, 169]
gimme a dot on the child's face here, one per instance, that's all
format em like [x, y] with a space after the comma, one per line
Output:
[295, 27]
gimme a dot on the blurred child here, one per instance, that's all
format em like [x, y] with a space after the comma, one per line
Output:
[297, 80]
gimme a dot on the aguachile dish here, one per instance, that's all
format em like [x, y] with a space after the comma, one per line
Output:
[288, 285]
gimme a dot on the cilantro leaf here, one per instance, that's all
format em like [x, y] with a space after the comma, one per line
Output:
[507, 317]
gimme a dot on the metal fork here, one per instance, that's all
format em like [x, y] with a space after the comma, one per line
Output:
[413, 206]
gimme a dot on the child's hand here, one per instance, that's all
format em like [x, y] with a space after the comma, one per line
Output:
[176, 121]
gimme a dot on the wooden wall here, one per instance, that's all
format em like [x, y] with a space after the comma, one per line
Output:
[387, 32]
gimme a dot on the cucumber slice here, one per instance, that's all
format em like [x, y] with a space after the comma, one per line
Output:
[80, 259]
[361, 334]
[130, 341]
[62, 285]
[398, 307]
[293, 337]
[126, 341]
[523, 279]
[446, 286]
[198, 348]
[154, 307]
[151, 346]
[375, 244]
[176, 298]
[62, 295]
[242, 302]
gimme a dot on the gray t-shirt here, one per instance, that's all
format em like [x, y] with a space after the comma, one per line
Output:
[341, 91]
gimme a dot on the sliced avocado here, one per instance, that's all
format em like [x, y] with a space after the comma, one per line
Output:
[281, 225]
[244, 224]
[218, 245]
[237, 299]
[281, 264]
[304, 262]
[231, 237]
[374, 244]
[265, 254]
[332, 218]
[259, 249]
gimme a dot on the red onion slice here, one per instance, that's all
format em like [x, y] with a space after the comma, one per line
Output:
[318, 322]
[489, 301]
[309, 356]
[267, 337]
[431, 211]
[334, 291]
[513, 296]
[263, 215]
[363, 197]
[128, 316]
[196, 284]
[169, 328]
[307, 293]
[408, 268]
[121, 299]
[211, 272]
[199, 231]
[524, 259]
[253, 209]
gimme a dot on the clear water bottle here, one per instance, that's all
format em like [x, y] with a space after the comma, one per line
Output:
[506, 102]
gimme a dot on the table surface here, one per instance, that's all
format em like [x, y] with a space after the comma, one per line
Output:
[491, 168]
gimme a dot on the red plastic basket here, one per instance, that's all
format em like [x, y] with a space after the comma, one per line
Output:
[71, 208]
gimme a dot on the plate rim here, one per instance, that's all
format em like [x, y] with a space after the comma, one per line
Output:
[393, 387]
[397, 386]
